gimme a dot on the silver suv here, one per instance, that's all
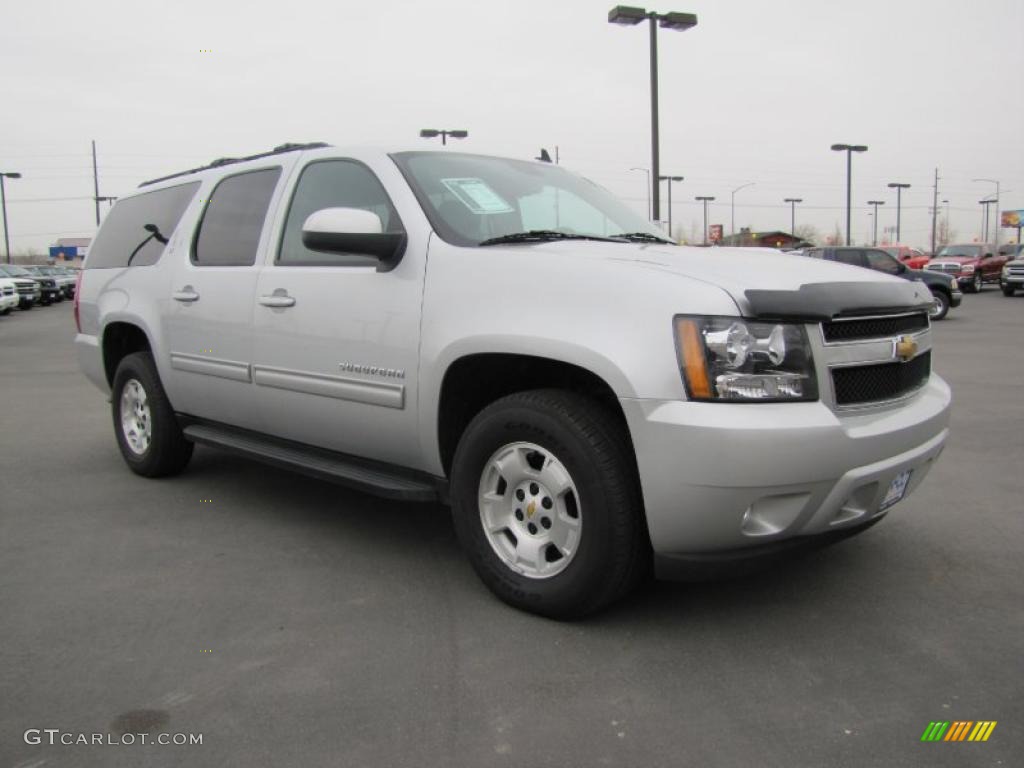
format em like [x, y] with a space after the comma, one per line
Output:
[506, 337]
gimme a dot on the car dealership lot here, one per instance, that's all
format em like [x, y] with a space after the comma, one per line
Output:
[294, 622]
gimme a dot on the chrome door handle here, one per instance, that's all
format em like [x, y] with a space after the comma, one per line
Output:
[277, 299]
[187, 295]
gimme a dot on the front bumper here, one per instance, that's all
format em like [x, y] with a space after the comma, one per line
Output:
[955, 297]
[728, 479]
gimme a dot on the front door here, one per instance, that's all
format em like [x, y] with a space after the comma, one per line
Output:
[337, 341]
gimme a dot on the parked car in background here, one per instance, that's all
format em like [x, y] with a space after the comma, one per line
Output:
[65, 279]
[945, 291]
[1011, 278]
[47, 284]
[30, 292]
[972, 264]
[912, 257]
[8, 295]
[1011, 251]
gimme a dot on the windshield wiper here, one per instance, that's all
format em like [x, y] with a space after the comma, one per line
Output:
[642, 237]
[544, 235]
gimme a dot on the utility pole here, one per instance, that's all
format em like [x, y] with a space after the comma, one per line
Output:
[935, 208]
[95, 183]
[876, 203]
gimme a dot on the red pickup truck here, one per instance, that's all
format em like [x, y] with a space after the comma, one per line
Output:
[972, 264]
[912, 257]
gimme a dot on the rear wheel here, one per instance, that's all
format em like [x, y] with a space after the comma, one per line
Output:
[940, 305]
[148, 433]
[547, 505]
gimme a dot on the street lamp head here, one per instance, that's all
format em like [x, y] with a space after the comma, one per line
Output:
[429, 133]
[876, 202]
[898, 185]
[679, 21]
[11, 175]
[627, 15]
[859, 148]
[794, 200]
[840, 147]
[849, 148]
[458, 134]
[670, 178]
[703, 197]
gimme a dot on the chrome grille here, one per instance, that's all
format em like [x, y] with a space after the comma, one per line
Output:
[853, 329]
[946, 268]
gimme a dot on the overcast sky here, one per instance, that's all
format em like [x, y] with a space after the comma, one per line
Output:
[757, 92]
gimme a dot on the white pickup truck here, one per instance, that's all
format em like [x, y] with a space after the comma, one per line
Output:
[504, 335]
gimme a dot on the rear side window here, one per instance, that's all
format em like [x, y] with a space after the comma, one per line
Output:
[233, 221]
[124, 235]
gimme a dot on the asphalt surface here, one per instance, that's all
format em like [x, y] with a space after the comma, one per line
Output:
[292, 622]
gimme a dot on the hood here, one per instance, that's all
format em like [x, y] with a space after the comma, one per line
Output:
[762, 281]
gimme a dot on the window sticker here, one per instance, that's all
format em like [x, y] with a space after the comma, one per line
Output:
[476, 195]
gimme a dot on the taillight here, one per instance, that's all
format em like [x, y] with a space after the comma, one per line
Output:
[78, 293]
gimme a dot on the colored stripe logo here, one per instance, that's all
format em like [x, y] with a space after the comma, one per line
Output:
[959, 730]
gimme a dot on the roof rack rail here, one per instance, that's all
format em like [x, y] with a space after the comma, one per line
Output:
[222, 161]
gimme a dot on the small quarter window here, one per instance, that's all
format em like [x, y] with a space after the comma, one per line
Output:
[233, 221]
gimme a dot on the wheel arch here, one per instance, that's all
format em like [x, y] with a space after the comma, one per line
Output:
[473, 381]
[121, 338]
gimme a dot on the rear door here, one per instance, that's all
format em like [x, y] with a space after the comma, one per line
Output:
[208, 317]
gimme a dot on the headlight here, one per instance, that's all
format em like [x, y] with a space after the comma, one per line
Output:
[967, 269]
[1006, 271]
[729, 358]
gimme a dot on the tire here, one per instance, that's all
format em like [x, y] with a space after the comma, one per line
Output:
[977, 283]
[1008, 290]
[940, 306]
[6, 312]
[147, 431]
[587, 485]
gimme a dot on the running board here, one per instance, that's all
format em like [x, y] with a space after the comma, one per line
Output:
[378, 479]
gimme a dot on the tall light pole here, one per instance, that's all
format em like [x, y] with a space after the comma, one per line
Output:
[874, 237]
[899, 188]
[732, 207]
[849, 149]
[648, 172]
[629, 16]
[433, 133]
[985, 203]
[996, 201]
[3, 206]
[670, 179]
[792, 213]
[705, 200]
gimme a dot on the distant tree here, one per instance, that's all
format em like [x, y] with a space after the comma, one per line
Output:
[836, 238]
[808, 232]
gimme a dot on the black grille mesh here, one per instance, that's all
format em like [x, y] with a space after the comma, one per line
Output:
[875, 327]
[885, 381]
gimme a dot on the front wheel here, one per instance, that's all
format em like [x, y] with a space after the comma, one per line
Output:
[148, 433]
[977, 283]
[547, 505]
[940, 305]
[1008, 290]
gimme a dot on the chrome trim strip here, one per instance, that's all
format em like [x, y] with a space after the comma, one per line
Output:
[384, 394]
[873, 339]
[208, 366]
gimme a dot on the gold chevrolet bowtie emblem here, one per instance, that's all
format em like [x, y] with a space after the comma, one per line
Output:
[904, 348]
[531, 508]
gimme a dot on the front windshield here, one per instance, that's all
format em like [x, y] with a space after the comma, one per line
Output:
[14, 271]
[470, 199]
[894, 252]
[969, 251]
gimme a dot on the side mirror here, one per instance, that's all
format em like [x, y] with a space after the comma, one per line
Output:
[353, 230]
[901, 268]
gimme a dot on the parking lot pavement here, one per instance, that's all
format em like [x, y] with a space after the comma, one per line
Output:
[292, 622]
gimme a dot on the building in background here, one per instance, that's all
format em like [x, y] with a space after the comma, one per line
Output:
[70, 251]
[776, 239]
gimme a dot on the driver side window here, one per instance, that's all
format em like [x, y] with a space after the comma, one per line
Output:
[881, 261]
